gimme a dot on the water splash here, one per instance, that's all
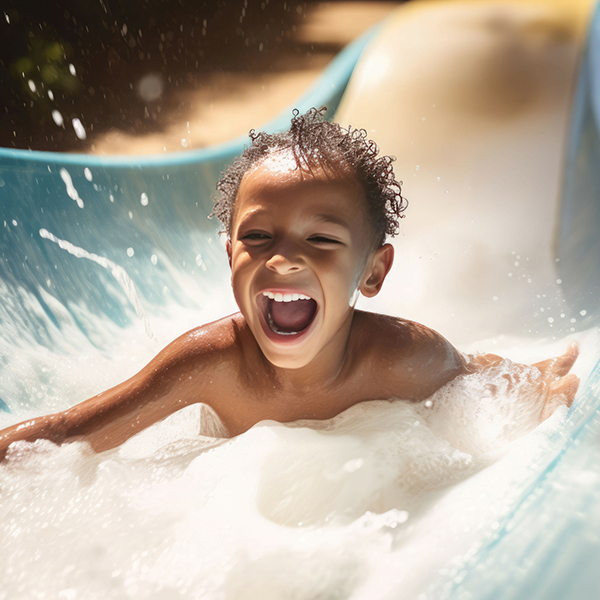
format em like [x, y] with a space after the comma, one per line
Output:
[118, 272]
[71, 191]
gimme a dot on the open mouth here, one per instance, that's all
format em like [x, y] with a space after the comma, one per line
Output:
[287, 313]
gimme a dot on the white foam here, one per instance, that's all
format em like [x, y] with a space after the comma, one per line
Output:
[377, 499]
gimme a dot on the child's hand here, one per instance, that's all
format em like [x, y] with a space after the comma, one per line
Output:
[561, 387]
[550, 377]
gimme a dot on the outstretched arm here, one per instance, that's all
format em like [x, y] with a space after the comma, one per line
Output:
[496, 401]
[175, 378]
[551, 378]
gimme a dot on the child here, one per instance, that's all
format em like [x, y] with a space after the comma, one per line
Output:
[306, 214]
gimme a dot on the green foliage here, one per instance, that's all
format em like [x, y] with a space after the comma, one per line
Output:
[46, 64]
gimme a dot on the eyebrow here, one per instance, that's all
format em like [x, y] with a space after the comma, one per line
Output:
[325, 218]
[255, 212]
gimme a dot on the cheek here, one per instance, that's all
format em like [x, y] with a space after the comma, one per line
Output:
[239, 276]
[344, 277]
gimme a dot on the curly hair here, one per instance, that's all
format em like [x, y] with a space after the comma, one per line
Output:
[318, 143]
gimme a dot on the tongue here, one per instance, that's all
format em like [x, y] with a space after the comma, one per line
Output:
[293, 316]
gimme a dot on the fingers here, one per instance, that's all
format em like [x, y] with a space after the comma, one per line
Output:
[561, 365]
[481, 361]
[565, 389]
[562, 392]
[566, 361]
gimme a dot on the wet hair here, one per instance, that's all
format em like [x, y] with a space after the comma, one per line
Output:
[318, 143]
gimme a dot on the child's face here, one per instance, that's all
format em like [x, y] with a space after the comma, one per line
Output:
[301, 249]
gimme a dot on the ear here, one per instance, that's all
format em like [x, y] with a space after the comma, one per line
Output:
[228, 248]
[379, 266]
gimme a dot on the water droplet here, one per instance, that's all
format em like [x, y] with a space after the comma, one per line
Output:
[112, 198]
[428, 404]
[150, 87]
[154, 259]
[583, 313]
[14, 222]
[88, 174]
[559, 281]
[184, 143]
[550, 320]
[144, 199]
[199, 260]
[72, 69]
[50, 95]
[71, 191]
[494, 298]
[31, 85]
[130, 252]
[79, 130]
[57, 118]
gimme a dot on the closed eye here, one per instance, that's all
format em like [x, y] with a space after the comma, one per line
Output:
[321, 239]
[256, 237]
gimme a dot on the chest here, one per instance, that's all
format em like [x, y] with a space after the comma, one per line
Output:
[249, 402]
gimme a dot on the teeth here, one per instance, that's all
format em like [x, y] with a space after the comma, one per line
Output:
[279, 297]
[276, 329]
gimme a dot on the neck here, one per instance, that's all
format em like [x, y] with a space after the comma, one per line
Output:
[325, 370]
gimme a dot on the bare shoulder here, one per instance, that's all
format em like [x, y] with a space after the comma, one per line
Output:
[195, 367]
[212, 341]
[415, 359]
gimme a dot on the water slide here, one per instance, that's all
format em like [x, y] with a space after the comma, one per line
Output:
[492, 110]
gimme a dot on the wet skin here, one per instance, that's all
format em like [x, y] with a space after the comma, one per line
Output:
[298, 233]
[293, 232]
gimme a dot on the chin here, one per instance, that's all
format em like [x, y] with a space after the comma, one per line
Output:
[295, 360]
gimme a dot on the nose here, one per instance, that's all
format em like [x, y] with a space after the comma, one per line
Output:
[285, 259]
